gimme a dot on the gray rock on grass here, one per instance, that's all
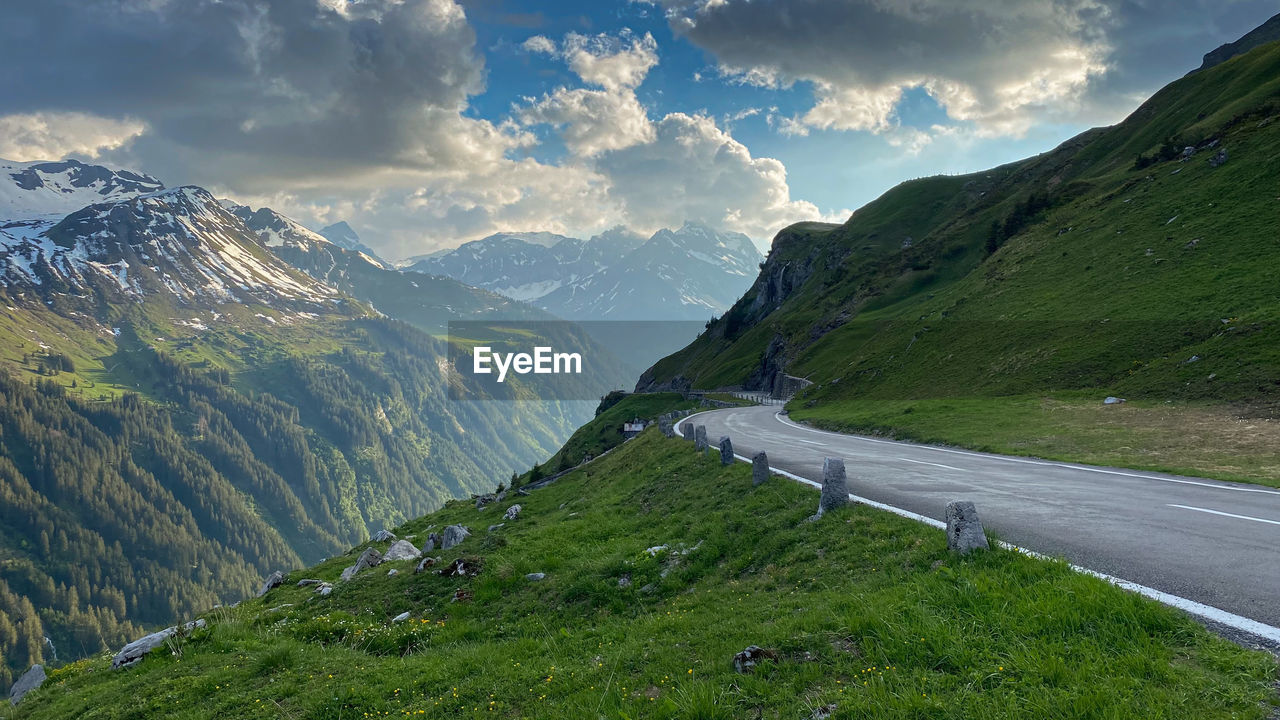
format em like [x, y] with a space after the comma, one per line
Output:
[133, 653]
[964, 529]
[273, 580]
[453, 535]
[368, 559]
[700, 437]
[383, 536]
[726, 450]
[401, 550]
[33, 678]
[835, 490]
[512, 512]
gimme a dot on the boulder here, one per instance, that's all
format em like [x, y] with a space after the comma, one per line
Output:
[274, 580]
[400, 618]
[484, 500]
[835, 492]
[700, 437]
[433, 541]
[453, 535]
[426, 563]
[369, 558]
[33, 678]
[747, 660]
[495, 527]
[401, 550]
[393, 572]
[535, 577]
[384, 536]
[760, 468]
[1219, 159]
[133, 653]
[308, 582]
[1112, 400]
[964, 529]
[726, 450]
[323, 589]
[512, 512]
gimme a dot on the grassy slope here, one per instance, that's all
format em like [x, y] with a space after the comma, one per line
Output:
[1130, 274]
[866, 611]
[604, 432]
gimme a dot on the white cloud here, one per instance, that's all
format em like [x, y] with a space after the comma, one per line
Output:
[56, 135]
[614, 63]
[998, 64]
[539, 44]
[592, 121]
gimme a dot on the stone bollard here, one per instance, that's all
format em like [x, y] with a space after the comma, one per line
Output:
[759, 468]
[835, 493]
[726, 450]
[964, 529]
[700, 437]
[687, 431]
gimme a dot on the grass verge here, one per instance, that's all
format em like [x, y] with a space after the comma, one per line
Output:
[862, 613]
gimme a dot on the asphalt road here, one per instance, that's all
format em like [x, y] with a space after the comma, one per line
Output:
[1211, 542]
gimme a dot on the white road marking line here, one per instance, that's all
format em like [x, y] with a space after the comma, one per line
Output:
[1025, 461]
[922, 462]
[1208, 612]
[1226, 514]
[811, 442]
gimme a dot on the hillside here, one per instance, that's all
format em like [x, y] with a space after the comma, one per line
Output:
[624, 589]
[1116, 264]
[184, 412]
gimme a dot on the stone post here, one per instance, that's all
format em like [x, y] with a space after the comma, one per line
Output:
[835, 493]
[759, 468]
[687, 431]
[726, 450]
[700, 437]
[964, 529]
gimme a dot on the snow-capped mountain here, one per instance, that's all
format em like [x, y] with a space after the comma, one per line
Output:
[687, 274]
[527, 265]
[181, 244]
[341, 234]
[50, 190]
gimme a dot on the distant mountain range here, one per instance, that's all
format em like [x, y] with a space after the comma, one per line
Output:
[691, 273]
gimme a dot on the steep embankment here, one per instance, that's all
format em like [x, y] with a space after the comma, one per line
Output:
[1118, 263]
[625, 589]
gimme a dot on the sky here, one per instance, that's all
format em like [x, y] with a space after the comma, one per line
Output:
[427, 123]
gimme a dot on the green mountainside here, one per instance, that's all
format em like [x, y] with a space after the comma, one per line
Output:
[176, 429]
[1120, 263]
[625, 588]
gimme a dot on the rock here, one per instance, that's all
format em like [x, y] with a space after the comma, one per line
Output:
[1218, 159]
[369, 558]
[453, 535]
[433, 541]
[323, 589]
[512, 512]
[33, 678]
[1113, 400]
[653, 551]
[522, 492]
[687, 432]
[747, 660]
[536, 577]
[835, 492]
[392, 572]
[964, 529]
[461, 595]
[624, 581]
[760, 468]
[823, 712]
[400, 618]
[700, 438]
[426, 563]
[1192, 359]
[461, 568]
[273, 580]
[307, 582]
[726, 450]
[133, 653]
[484, 500]
[384, 536]
[1188, 151]
[401, 550]
[495, 527]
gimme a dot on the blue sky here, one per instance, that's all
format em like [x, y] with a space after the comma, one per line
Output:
[426, 123]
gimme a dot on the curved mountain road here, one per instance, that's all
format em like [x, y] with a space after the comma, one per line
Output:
[1213, 543]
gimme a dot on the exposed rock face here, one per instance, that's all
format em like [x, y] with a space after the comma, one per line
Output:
[384, 536]
[273, 580]
[726, 450]
[835, 491]
[133, 653]
[512, 512]
[964, 529]
[401, 550]
[453, 535]
[1268, 31]
[760, 468]
[700, 437]
[33, 678]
